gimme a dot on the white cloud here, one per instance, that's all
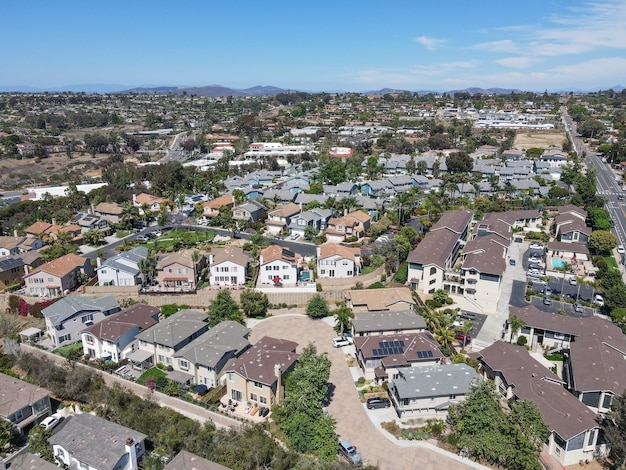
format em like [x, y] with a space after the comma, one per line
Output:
[430, 43]
[505, 45]
[517, 62]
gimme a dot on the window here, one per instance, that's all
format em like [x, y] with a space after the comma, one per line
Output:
[349, 273]
[258, 384]
[50, 279]
[183, 364]
[231, 376]
[322, 271]
[89, 339]
[86, 318]
[263, 400]
[253, 397]
[65, 338]
[161, 358]
[433, 270]
[286, 277]
[16, 417]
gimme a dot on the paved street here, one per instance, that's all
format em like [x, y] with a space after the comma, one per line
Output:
[353, 423]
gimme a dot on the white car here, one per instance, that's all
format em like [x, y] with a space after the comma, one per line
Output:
[573, 281]
[536, 246]
[620, 249]
[341, 341]
[51, 421]
[534, 273]
[599, 300]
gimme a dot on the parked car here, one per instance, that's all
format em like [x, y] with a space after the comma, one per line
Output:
[349, 452]
[536, 246]
[157, 233]
[466, 315]
[341, 341]
[51, 421]
[463, 337]
[620, 197]
[512, 262]
[142, 238]
[547, 300]
[294, 236]
[620, 249]
[377, 402]
[535, 259]
[548, 290]
[578, 308]
[573, 281]
[534, 273]
[535, 266]
[599, 300]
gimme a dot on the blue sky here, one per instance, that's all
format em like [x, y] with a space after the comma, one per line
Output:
[336, 45]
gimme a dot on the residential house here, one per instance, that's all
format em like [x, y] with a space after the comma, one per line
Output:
[302, 199]
[430, 391]
[379, 300]
[317, 219]
[180, 270]
[148, 202]
[258, 375]
[29, 461]
[122, 269]
[114, 337]
[351, 225]
[159, 343]
[571, 229]
[88, 442]
[187, 461]
[212, 208]
[203, 360]
[189, 203]
[228, 266]
[281, 196]
[438, 251]
[279, 265]
[39, 229]
[16, 245]
[59, 276]
[278, 219]
[14, 267]
[573, 428]
[338, 261]
[69, 316]
[378, 188]
[89, 222]
[380, 357]
[555, 158]
[570, 252]
[387, 323]
[109, 211]
[251, 211]
[21, 403]
[594, 378]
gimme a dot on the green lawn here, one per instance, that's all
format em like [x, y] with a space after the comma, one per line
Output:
[63, 350]
[122, 233]
[154, 372]
[186, 237]
[610, 262]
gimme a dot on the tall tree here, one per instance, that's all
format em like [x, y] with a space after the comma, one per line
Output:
[224, 307]
[317, 307]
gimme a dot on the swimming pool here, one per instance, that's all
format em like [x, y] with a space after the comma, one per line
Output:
[558, 263]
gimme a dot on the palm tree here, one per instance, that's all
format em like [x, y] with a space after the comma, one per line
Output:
[401, 201]
[195, 257]
[444, 336]
[343, 318]
[579, 281]
[466, 329]
[515, 324]
[565, 267]
[432, 319]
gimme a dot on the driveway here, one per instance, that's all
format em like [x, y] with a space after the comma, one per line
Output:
[345, 407]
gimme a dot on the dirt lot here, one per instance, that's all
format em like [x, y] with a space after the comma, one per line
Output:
[539, 139]
[54, 169]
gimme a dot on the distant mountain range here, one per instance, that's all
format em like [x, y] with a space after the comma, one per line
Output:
[220, 90]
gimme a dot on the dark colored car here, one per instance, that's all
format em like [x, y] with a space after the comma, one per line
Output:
[377, 402]
[512, 262]
[466, 315]
[463, 337]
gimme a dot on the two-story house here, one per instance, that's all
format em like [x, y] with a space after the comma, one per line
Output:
[279, 265]
[316, 219]
[379, 300]
[258, 375]
[351, 225]
[14, 267]
[122, 269]
[251, 211]
[279, 218]
[69, 316]
[228, 266]
[16, 245]
[88, 222]
[59, 276]
[159, 343]
[180, 270]
[88, 442]
[212, 208]
[114, 337]
[574, 429]
[21, 403]
[109, 211]
[203, 360]
[338, 261]
[387, 323]
[148, 203]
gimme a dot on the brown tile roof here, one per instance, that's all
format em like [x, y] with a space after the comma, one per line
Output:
[274, 252]
[569, 224]
[109, 208]
[111, 328]
[230, 253]
[561, 411]
[258, 362]
[370, 347]
[61, 266]
[145, 198]
[579, 248]
[393, 298]
[38, 228]
[184, 258]
[486, 254]
[334, 249]
[455, 221]
[286, 210]
[361, 216]
[16, 394]
[226, 200]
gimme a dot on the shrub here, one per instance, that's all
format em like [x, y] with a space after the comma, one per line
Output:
[432, 303]
[402, 274]
[522, 340]
[449, 301]
[376, 285]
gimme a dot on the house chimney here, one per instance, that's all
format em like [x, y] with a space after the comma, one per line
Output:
[98, 262]
[54, 221]
[93, 209]
[279, 385]
[130, 449]
[15, 233]
[26, 270]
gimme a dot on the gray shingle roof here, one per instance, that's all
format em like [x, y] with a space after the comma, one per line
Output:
[176, 328]
[67, 307]
[383, 321]
[95, 441]
[435, 381]
[211, 347]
